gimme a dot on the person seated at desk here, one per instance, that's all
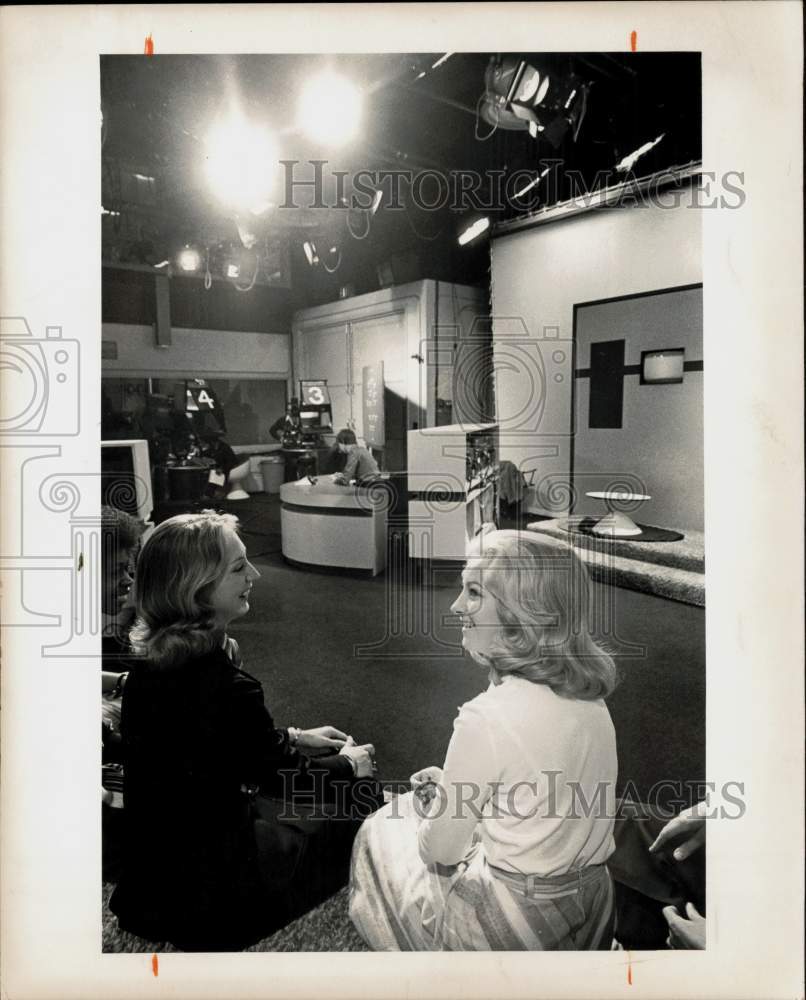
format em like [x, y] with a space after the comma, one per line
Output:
[359, 465]
[288, 428]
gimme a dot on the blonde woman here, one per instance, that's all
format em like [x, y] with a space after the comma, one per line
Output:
[504, 847]
[202, 869]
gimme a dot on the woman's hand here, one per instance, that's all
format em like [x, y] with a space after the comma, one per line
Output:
[362, 758]
[686, 933]
[423, 782]
[690, 821]
[322, 738]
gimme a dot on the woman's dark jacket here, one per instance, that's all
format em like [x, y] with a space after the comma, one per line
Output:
[194, 737]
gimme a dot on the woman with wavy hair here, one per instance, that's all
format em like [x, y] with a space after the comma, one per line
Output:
[207, 866]
[504, 847]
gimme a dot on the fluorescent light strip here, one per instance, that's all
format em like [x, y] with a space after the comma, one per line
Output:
[531, 184]
[478, 227]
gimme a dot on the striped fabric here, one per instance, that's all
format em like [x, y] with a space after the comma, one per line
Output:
[397, 903]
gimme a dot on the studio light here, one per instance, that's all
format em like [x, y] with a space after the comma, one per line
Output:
[376, 202]
[246, 233]
[473, 231]
[513, 90]
[240, 163]
[189, 258]
[522, 96]
[330, 109]
[441, 61]
[533, 183]
[533, 87]
[625, 165]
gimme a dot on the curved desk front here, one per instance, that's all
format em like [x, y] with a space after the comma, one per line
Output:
[328, 525]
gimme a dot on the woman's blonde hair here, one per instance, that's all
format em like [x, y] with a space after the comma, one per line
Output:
[177, 571]
[541, 588]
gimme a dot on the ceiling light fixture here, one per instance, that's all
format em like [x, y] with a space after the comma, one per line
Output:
[246, 233]
[189, 258]
[625, 165]
[531, 184]
[330, 109]
[474, 230]
[376, 201]
[240, 162]
[436, 65]
[520, 96]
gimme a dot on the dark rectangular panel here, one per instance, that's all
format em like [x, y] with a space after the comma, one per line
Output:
[163, 310]
[606, 384]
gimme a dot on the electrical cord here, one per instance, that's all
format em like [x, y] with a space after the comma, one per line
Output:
[251, 285]
[493, 130]
[331, 270]
[417, 233]
[352, 232]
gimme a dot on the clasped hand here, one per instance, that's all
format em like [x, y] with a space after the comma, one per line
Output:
[322, 738]
[362, 757]
[330, 738]
[424, 783]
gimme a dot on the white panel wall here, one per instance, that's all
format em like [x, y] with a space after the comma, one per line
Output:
[537, 278]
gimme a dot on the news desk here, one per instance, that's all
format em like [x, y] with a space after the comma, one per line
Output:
[328, 525]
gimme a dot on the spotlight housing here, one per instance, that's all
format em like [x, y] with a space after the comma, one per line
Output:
[519, 96]
[189, 258]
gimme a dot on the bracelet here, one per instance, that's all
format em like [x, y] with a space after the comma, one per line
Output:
[120, 683]
[293, 735]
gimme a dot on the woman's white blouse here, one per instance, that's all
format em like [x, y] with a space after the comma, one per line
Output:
[536, 773]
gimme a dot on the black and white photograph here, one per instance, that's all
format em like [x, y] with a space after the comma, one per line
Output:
[382, 469]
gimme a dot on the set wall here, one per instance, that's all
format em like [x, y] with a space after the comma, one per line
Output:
[212, 353]
[658, 450]
[537, 277]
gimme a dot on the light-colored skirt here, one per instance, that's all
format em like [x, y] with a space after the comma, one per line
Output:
[398, 903]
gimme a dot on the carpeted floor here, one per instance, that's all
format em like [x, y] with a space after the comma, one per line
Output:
[327, 928]
[381, 659]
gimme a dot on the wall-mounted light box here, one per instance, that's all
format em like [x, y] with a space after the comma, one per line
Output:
[662, 367]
